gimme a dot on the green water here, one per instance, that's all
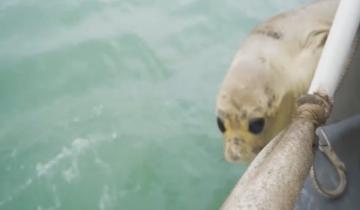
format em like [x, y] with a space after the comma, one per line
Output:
[110, 104]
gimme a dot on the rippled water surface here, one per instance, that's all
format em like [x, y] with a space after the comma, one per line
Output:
[110, 104]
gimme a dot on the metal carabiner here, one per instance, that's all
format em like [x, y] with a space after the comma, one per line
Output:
[325, 148]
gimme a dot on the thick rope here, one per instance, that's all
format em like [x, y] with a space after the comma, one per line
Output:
[318, 108]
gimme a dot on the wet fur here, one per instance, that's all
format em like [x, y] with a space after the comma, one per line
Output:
[271, 70]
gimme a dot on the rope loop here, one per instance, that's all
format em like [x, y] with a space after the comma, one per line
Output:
[329, 153]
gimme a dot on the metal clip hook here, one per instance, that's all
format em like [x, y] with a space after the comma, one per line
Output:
[326, 149]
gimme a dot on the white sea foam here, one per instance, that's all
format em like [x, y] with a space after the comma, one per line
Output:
[78, 146]
[44, 168]
[106, 199]
[72, 172]
[28, 182]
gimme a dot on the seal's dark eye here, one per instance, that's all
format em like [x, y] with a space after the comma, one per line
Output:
[220, 125]
[256, 125]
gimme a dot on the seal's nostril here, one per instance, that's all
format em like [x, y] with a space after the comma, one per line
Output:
[237, 141]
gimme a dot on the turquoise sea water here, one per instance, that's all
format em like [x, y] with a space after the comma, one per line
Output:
[110, 104]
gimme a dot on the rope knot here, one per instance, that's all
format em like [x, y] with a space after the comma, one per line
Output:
[315, 107]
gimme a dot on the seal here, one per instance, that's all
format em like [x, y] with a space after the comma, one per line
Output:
[273, 67]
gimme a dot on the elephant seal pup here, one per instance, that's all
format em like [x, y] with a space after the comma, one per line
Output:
[274, 66]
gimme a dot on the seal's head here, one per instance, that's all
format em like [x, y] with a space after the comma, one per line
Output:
[248, 107]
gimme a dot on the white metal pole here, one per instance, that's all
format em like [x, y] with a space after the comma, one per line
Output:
[337, 49]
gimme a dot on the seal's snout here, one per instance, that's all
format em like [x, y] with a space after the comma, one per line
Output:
[234, 150]
[237, 150]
